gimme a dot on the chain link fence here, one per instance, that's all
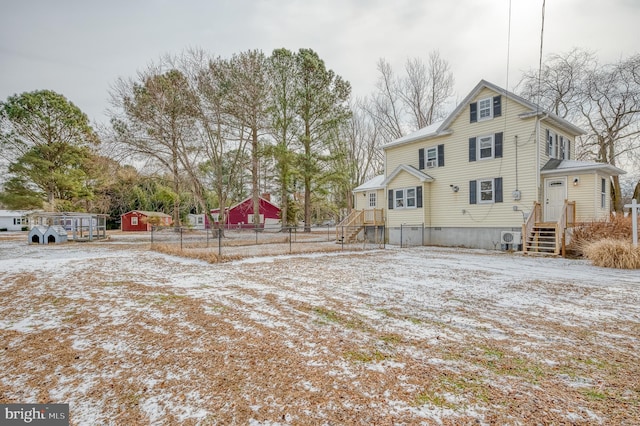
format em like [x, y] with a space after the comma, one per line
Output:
[215, 245]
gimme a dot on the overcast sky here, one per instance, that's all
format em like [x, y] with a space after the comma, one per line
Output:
[79, 48]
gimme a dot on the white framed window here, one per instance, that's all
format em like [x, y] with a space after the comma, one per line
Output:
[558, 146]
[372, 199]
[485, 109]
[199, 220]
[486, 145]
[603, 193]
[432, 157]
[405, 198]
[486, 191]
[134, 220]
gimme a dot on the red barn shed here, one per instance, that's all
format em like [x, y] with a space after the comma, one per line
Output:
[138, 220]
[241, 214]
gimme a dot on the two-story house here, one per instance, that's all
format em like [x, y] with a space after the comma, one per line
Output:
[497, 170]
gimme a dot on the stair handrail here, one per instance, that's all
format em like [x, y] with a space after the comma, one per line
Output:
[355, 216]
[527, 227]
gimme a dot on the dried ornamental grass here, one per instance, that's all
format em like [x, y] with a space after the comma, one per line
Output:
[612, 253]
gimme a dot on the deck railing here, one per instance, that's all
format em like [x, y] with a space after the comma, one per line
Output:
[357, 218]
[567, 219]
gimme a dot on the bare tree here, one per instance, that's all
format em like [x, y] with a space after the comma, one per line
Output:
[426, 88]
[154, 120]
[410, 102]
[611, 109]
[604, 99]
[386, 106]
[558, 86]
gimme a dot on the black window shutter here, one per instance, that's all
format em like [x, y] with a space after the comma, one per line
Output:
[547, 148]
[497, 106]
[472, 191]
[497, 187]
[473, 112]
[472, 149]
[441, 155]
[391, 199]
[421, 159]
[568, 149]
[497, 145]
[418, 196]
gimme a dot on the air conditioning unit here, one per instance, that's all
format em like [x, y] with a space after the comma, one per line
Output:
[511, 237]
[431, 164]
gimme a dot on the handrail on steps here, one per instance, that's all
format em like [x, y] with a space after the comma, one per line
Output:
[527, 227]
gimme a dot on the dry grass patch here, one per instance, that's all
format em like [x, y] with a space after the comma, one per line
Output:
[612, 253]
[617, 228]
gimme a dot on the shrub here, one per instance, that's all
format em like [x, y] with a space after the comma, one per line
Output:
[613, 253]
[617, 228]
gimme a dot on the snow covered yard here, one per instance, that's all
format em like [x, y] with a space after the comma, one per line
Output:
[395, 336]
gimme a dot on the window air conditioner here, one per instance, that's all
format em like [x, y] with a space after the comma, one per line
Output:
[510, 237]
[431, 164]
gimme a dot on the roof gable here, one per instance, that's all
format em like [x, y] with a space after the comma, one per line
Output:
[442, 128]
[422, 177]
[534, 109]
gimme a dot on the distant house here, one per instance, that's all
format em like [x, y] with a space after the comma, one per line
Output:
[138, 220]
[198, 221]
[14, 220]
[241, 214]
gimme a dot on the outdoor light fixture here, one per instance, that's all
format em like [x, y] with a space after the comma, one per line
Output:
[455, 188]
[576, 180]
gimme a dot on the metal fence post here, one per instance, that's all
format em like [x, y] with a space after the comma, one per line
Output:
[401, 235]
[219, 244]
[289, 240]
[152, 228]
[180, 238]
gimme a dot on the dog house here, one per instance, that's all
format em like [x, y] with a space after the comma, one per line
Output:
[36, 235]
[55, 234]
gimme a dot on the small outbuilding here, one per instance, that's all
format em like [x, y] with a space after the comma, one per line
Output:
[139, 220]
[55, 234]
[241, 214]
[36, 234]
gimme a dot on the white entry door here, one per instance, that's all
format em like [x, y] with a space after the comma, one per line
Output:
[555, 192]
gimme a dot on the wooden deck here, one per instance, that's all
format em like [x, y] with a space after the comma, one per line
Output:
[347, 231]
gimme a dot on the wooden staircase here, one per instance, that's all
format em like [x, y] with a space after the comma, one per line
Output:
[348, 230]
[541, 239]
[548, 237]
